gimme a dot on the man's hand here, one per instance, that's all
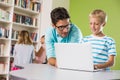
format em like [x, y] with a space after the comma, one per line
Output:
[52, 61]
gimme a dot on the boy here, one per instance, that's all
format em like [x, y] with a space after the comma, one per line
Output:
[103, 47]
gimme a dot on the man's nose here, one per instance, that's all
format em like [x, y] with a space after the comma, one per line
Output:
[65, 29]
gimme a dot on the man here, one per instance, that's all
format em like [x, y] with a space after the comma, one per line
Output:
[62, 31]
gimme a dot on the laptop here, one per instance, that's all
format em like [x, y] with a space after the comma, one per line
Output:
[74, 56]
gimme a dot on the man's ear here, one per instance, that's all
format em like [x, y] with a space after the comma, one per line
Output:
[53, 25]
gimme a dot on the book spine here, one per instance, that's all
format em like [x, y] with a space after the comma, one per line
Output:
[2, 49]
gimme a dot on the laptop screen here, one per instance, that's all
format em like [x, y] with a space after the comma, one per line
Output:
[77, 56]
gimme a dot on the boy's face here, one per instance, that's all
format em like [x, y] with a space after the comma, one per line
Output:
[96, 26]
[63, 27]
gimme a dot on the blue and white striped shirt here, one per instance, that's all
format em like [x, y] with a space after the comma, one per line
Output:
[102, 48]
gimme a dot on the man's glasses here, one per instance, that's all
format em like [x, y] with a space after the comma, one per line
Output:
[61, 28]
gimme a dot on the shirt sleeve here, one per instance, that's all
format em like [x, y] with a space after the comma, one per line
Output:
[75, 34]
[112, 48]
[49, 41]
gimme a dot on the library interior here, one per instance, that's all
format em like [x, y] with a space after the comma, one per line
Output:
[28, 20]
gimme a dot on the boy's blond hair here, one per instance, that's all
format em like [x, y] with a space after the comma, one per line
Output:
[100, 14]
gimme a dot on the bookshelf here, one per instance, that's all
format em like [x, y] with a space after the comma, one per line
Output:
[16, 15]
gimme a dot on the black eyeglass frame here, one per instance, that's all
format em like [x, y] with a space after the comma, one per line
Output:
[61, 28]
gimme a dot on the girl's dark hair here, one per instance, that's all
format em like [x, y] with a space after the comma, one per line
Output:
[59, 13]
[42, 36]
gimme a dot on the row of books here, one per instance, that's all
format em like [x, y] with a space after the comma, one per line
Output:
[5, 1]
[4, 15]
[2, 46]
[14, 34]
[29, 4]
[4, 33]
[33, 35]
[24, 19]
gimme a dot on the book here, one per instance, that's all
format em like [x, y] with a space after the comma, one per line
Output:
[2, 49]
[12, 49]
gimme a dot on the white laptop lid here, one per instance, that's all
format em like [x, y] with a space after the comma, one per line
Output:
[74, 56]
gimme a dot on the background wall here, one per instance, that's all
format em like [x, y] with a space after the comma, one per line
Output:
[47, 6]
[80, 9]
[60, 3]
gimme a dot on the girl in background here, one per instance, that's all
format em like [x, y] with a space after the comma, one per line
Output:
[24, 50]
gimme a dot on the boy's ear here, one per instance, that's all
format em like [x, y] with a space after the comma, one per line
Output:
[104, 24]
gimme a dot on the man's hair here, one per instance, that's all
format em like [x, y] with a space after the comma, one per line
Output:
[98, 13]
[59, 13]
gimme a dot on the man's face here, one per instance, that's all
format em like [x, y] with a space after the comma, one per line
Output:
[63, 27]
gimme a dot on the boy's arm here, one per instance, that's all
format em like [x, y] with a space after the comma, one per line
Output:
[109, 63]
